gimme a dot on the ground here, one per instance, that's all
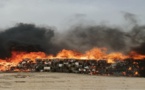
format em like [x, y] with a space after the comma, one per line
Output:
[64, 81]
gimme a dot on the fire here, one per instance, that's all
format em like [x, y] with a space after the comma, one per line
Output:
[18, 57]
[95, 53]
[135, 55]
[68, 54]
[136, 73]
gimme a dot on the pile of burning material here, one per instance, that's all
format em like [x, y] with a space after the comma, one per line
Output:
[126, 67]
[94, 50]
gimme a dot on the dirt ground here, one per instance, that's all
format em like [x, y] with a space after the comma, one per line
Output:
[64, 81]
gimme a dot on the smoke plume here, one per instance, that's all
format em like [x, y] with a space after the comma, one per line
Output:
[28, 37]
[25, 37]
[84, 38]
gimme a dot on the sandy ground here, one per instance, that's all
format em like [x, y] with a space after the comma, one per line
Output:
[64, 81]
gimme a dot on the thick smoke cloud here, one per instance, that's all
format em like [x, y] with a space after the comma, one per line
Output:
[84, 38]
[28, 37]
[138, 39]
[25, 37]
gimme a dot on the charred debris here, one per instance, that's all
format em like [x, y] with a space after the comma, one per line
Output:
[128, 67]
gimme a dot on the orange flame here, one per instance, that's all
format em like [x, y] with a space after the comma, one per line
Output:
[18, 57]
[95, 53]
[135, 55]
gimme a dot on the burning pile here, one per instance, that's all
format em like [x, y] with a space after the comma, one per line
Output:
[93, 67]
[26, 47]
[94, 62]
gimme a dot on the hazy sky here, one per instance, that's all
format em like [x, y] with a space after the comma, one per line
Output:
[61, 13]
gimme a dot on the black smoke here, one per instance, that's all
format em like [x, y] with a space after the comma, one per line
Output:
[25, 37]
[138, 38]
[84, 38]
[29, 37]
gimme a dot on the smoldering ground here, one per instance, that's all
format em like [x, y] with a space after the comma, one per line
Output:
[29, 37]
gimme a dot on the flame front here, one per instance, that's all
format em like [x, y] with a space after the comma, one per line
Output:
[18, 57]
[95, 53]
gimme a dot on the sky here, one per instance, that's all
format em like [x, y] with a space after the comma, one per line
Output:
[63, 13]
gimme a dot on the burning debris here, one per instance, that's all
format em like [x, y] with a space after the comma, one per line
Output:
[78, 50]
[128, 67]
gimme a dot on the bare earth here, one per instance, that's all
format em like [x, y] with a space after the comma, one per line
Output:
[64, 81]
